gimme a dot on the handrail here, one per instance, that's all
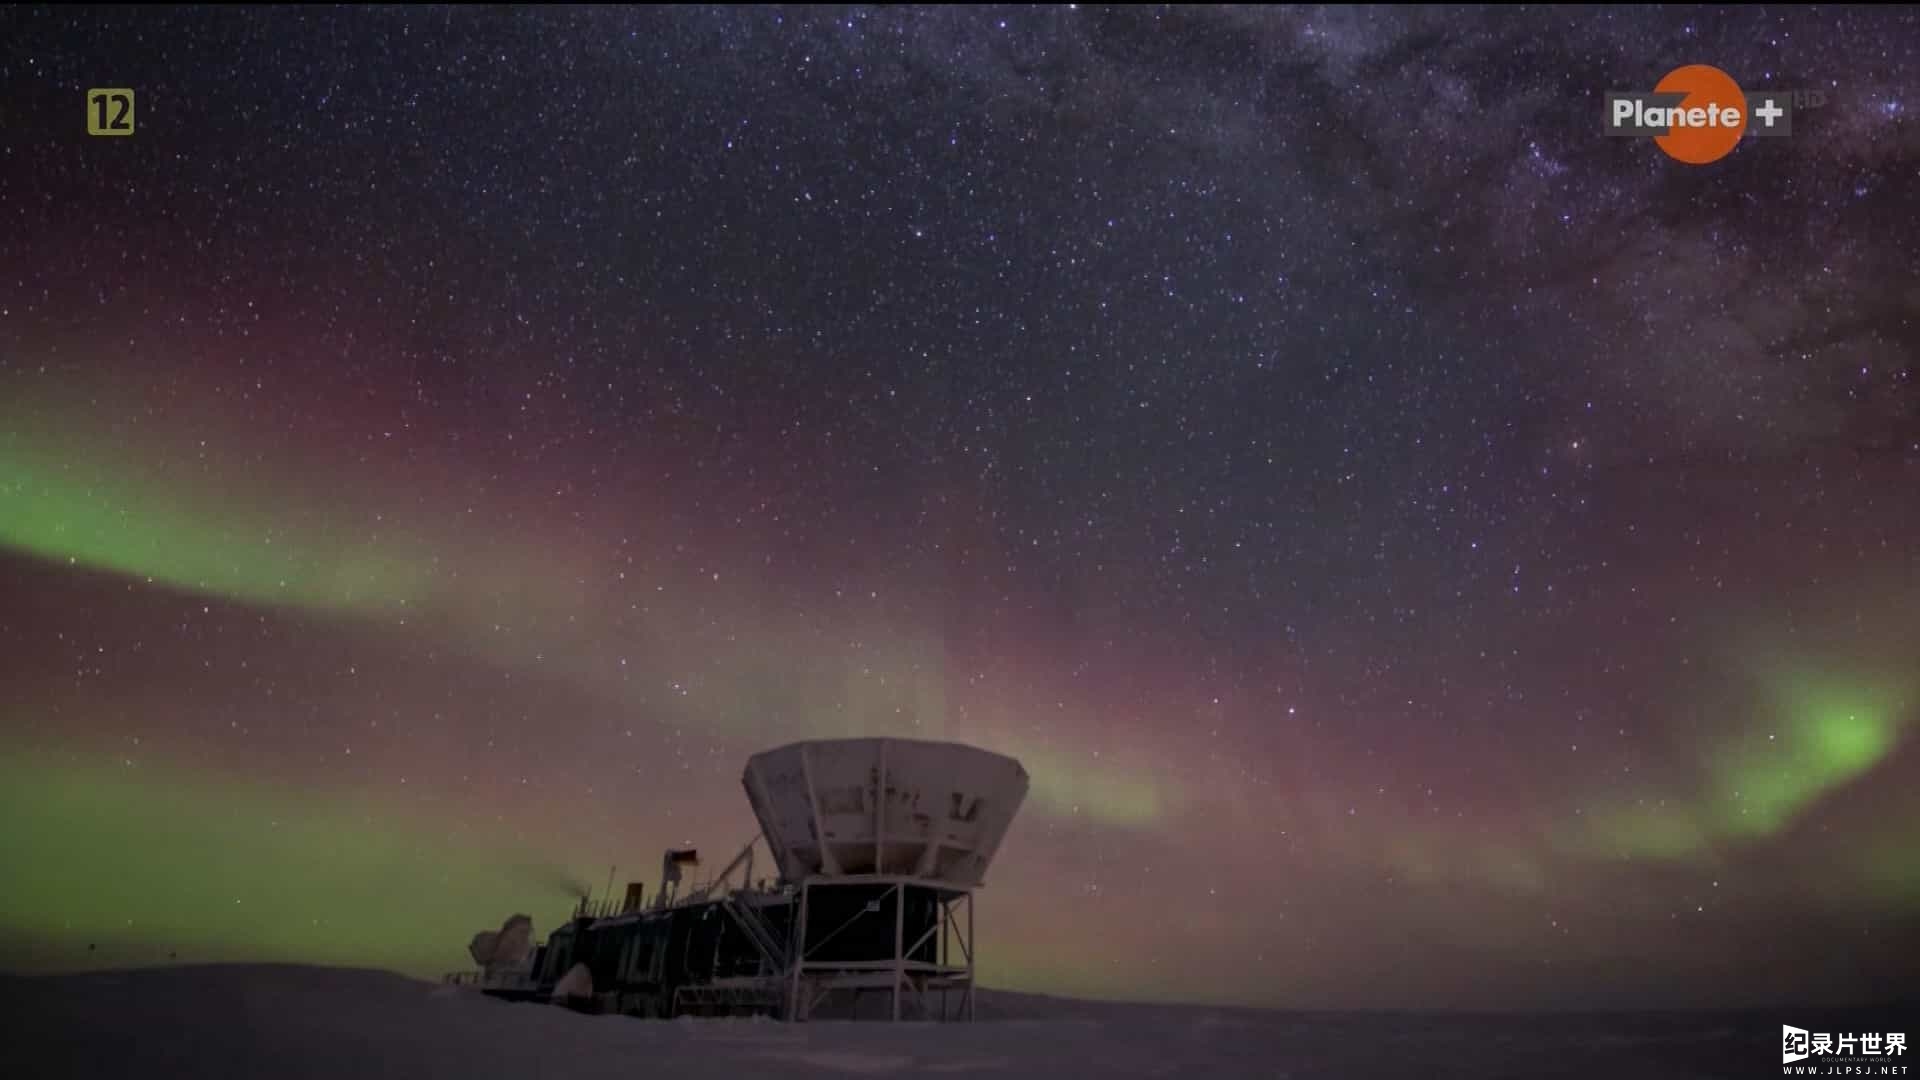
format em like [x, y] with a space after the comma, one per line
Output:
[758, 932]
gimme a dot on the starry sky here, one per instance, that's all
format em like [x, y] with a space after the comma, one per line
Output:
[1427, 554]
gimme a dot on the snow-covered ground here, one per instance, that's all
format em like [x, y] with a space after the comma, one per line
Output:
[288, 1022]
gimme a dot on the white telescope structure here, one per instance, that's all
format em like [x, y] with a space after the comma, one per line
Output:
[935, 811]
[884, 841]
[879, 842]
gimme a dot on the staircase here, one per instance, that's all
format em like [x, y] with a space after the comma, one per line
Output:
[772, 951]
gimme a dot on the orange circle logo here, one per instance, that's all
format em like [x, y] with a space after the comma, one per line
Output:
[1709, 121]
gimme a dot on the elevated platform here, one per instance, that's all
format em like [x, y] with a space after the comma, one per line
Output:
[912, 938]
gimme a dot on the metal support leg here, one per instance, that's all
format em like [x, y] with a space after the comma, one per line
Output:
[795, 1011]
[899, 943]
[970, 948]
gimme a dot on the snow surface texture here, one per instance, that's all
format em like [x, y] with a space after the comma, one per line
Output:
[290, 1022]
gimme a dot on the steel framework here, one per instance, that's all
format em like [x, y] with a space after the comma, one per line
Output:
[800, 980]
[813, 982]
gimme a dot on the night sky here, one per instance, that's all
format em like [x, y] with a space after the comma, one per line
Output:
[1427, 553]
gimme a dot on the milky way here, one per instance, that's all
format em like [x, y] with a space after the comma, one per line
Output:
[1427, 553]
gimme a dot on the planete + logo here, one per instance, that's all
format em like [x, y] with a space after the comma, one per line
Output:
[1698, 114]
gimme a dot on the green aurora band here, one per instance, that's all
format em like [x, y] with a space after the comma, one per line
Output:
[145, 525]
[87, 515]
[1059, 786]
[1826, 733]
[216, 869]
